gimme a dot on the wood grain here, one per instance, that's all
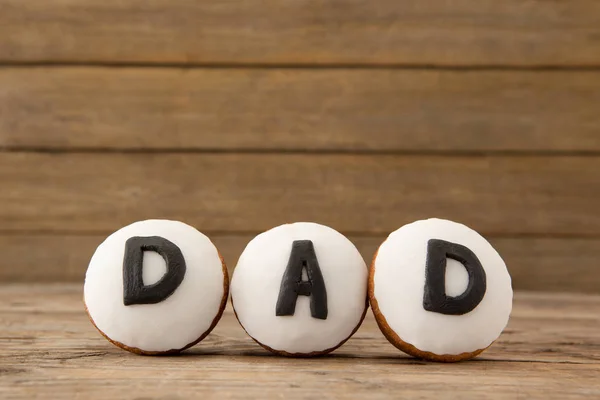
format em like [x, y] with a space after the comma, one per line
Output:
[381, 32]
[567, 265]
[506, 195]
[298, 109]
[550, 350]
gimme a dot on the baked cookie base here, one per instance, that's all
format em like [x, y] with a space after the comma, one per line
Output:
[393, 337]
[305, 355]
[187, 346]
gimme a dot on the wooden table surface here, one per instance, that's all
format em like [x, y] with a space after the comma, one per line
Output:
[551, 349]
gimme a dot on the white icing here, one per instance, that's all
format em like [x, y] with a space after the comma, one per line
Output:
[399, 282]
[257, 279]
[457, 278]
[155, 267]
[173, 323]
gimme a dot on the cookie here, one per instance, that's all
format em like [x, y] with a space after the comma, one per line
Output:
[156, 287]
[300, 289]
[439, 291]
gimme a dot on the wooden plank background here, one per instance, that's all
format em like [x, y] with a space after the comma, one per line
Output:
[299, 109]
[307, 32]
[236, 116]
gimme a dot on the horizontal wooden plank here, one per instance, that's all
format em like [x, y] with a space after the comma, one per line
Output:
[501, 195]
[381, 32]
[534, 263]
[49, 346]
[297, 109]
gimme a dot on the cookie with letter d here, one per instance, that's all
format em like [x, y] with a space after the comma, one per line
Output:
[300, 289]
[439, 291]
[156, 287]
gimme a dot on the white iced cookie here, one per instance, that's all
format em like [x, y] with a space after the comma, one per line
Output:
[156, 287]
[439, 290]
[300, 289]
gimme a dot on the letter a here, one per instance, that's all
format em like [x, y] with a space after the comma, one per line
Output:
[302, 256]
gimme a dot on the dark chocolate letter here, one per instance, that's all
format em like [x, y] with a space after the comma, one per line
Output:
[134, 290]
[435, 298]
[302, 256]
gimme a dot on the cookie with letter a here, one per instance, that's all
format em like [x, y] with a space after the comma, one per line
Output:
[156, 287]
[439, 291]
[300, 289]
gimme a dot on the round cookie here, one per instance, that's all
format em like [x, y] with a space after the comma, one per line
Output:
[156, 287]
[300, 289]
[439, 291]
